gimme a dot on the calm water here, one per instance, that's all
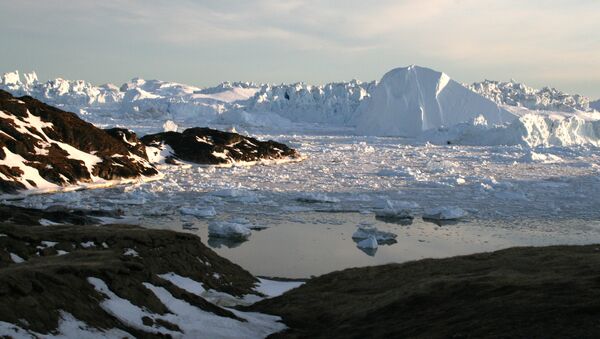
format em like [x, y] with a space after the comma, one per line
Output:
[313, 243]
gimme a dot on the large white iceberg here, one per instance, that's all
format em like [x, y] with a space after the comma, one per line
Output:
[414, 99]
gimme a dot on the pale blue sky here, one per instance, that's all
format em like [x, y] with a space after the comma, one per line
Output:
[549, 42]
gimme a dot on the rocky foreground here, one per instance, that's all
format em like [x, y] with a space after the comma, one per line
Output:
[126, 281]
[548, 292]
[120, 281]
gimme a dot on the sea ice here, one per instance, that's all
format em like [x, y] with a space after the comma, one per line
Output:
[368, 231]
[199, 212]
[444, 213]
[369, 243]
[224, 229]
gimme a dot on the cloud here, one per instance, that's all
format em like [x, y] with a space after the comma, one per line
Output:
[542, 38]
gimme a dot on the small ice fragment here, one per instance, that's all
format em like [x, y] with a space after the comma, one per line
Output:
[444, 213]
[224, 229]
[368, 243]
[367, 231]
[199, 212]
[313, 197]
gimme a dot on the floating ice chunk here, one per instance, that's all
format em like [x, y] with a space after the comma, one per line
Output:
[367, 231]
[444, 213]
[314, 197]
[368, 243]
[199, 212]
[240, 195]
[397, 209]
[224, 229]
[61, 252]
[533, 157]
[247, 223]
[170, 126]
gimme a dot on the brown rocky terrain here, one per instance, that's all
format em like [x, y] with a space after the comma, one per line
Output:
[545, 292]
[58, 260]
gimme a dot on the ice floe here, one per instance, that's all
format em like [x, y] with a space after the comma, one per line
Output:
[444, 213]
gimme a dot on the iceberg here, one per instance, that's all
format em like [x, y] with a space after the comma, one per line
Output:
[414, 99]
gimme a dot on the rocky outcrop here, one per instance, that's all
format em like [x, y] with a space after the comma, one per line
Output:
[52, 275]
[548, 292]
[43, 148]
[212, 147]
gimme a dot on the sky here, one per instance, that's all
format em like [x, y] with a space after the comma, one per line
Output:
[197, 42]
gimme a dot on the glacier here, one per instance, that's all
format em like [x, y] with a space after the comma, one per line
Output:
[512, 93]
[413, 102]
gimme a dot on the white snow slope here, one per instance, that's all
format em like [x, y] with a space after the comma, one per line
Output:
[411, 100]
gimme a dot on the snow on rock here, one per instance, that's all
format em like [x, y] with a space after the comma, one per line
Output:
[231, 230]
[275, 288]
[131, 252]
[512, 93]
[444, 213]
[192, 321]
[45, 149]
[213, 147]
[68, 327]
[16, 259]
[411, 100]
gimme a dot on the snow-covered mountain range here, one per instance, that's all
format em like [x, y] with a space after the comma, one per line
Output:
[410, 102]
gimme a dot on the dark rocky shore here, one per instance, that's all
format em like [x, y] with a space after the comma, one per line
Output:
[57, 144]
[546, 292]
[213, 147]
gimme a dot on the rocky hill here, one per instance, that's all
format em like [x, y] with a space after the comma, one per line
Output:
[209, 146]
[543, 292]
[43, 148]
